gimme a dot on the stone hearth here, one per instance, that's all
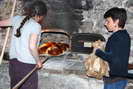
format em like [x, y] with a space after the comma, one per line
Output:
[61, 72]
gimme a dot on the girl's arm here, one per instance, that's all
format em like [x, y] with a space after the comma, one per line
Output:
[5, 23]
[33, 49]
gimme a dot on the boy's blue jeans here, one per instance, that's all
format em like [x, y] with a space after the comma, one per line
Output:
[116, 85]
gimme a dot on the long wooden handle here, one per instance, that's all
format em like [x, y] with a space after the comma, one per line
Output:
[27, 76]
[7, 33]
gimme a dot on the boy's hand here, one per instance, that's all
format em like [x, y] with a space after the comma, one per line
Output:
[97, 44]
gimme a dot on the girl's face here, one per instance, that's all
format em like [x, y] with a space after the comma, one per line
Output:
[39, 19]
[110, 24]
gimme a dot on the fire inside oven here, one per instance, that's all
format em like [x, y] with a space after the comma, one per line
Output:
[56, 42]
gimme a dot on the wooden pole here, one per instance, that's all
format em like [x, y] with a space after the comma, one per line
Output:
[28, 75]
[7, 33]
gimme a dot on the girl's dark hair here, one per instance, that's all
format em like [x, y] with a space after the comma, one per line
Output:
[31, 9]
[117, 14]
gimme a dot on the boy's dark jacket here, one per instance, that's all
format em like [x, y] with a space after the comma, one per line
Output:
[117, 53]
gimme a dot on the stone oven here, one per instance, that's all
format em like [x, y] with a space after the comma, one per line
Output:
[80, 43]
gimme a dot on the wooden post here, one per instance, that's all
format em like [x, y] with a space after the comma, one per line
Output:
[7, 33]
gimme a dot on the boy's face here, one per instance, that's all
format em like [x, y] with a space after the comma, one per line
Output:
[110, 24]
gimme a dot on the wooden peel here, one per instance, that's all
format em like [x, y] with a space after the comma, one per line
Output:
[28, 75]
[7, 33]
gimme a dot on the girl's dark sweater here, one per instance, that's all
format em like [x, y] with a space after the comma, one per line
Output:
[116, 53]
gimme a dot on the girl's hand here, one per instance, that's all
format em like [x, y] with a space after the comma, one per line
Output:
[39, 64]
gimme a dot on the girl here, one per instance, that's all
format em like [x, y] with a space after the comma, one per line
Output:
[23, 48]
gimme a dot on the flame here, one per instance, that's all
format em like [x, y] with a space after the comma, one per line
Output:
[53, 48]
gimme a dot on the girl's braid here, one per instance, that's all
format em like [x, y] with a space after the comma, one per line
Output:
[18, 33]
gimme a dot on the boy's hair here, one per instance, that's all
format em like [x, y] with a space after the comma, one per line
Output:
[36, 8]
[117, 14]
